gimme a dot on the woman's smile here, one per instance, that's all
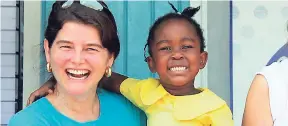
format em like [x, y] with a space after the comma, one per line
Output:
[77, 74]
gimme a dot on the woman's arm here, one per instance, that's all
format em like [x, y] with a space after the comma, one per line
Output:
[257, 109]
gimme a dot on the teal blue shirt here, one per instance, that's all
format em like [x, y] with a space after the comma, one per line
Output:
[114, 111]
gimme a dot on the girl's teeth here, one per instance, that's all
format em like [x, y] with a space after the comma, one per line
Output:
[178, 68]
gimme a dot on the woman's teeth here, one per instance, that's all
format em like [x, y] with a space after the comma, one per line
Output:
[78, 74]
[77, 71]
[178, 68]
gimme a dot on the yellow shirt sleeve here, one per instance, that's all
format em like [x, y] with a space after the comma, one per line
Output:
[130, 88]
[222, 117]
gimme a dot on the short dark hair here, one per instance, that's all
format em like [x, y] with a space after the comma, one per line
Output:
[102, 20]
[171, 16]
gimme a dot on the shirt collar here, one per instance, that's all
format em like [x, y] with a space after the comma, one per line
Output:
[184, 107]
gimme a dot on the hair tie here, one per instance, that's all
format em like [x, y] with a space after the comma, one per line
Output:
[188, 11]
[174, 8]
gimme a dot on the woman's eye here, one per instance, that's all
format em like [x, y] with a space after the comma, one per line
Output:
[165, 48]
[66, 47]
[92, 49]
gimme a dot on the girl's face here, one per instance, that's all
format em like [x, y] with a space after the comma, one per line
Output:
[176, 55]
[77, 58]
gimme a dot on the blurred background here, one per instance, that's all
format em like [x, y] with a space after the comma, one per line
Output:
[241, 37]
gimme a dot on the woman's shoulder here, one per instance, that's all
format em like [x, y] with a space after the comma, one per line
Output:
[112, 101]
[31, 115]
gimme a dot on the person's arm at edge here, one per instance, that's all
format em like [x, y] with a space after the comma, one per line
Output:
[257, 109]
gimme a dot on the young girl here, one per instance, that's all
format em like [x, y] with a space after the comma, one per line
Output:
[176, 48]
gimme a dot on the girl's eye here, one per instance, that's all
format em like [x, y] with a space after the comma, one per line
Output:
[165, 48]
[187, 47]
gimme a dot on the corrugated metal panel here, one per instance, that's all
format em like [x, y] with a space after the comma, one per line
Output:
[8, 3]
[8, 71]
[8, 41]
[9, 58]
[8, 83]
[5, 118]
[8, 17]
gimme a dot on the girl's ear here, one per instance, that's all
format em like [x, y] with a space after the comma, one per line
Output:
[203, 59]
[151, 64]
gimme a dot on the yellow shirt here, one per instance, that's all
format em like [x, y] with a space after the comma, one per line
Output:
[164, 109]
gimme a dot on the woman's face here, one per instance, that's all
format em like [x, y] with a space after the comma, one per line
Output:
[77, 58]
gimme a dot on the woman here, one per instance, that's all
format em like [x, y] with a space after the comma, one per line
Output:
[80, 45]
[266, 103]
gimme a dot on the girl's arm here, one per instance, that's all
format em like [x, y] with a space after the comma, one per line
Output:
[45, 89]
[111, 83]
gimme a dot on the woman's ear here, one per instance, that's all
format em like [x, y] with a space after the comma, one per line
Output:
[111, 60]
[47, 50]
[203, 59]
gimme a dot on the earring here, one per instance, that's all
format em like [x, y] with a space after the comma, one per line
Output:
[48, 67]
[108, 72]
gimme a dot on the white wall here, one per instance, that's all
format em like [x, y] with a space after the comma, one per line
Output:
[259, 29]
[218, 29]
[32, 33]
